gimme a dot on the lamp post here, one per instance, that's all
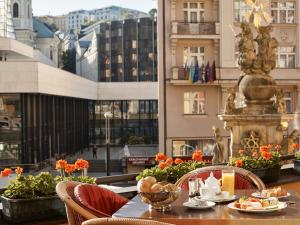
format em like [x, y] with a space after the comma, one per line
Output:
[108, 116]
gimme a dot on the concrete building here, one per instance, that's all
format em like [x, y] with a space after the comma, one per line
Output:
[77, 18]
[112, 13]
[61, 22]
[121, 56]
[201, 31]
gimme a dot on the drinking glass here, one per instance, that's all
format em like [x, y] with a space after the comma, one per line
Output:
[228, 181]
[193, 187]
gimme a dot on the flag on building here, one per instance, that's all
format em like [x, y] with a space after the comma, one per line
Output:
[192, 72]
[213, 76]
[202, 73]
[196, 74]
[208, 73]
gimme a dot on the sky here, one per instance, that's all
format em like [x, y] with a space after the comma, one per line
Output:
[59, 7]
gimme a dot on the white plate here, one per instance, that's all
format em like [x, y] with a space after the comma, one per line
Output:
[280, 206]
[257, 195]
[194, 206]
[219, 199]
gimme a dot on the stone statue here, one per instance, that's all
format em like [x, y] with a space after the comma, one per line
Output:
[280, 102]
[259, 62]
[267, 45]
[287, 143]
[230, 105]
[246, 48]
[218, 149]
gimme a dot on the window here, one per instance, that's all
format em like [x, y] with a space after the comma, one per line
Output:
[194, 103]
[187, 147]
[193, 12]
[133, 43]
[192, 54]
[16, 10]
[288, 102]
[240, 10]
[133, 57]
[283, 12]
[286, 57]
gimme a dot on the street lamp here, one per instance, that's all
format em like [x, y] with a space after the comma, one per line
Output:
[108, 116]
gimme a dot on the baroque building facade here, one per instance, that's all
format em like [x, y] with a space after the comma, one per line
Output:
[203, 31]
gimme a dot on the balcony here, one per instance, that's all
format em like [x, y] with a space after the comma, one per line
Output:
[195, 30]
[180, 76]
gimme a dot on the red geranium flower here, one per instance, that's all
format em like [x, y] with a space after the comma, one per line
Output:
[60, 164]
[239, 163]
[178, 161]
[197, 155]
[295, 146]
[264, 149]
[162, 165]
[169, 161]
[81, 164]
[266, 155]
[6, 172]
[160, 157]
[19, 170]
[69, 168]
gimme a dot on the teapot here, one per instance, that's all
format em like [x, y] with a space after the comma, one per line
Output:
[212, 183]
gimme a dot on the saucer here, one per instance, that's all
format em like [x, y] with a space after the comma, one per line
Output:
[220, 198]
[192, 205]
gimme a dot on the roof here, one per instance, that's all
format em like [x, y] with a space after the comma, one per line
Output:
[42, 30]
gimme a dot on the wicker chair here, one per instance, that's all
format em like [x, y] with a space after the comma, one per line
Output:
[76, 212]
[121, 221]
[244, 178]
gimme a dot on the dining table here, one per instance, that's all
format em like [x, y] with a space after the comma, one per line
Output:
[220, 214]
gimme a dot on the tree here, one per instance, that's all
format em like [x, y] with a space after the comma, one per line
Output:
[69, 60]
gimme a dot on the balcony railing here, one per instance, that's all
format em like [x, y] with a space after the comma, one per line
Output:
[202, 28]
[183, 74]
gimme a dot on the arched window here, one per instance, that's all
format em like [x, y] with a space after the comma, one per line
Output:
[16, 10]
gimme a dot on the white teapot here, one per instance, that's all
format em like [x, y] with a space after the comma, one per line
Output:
[212, 183]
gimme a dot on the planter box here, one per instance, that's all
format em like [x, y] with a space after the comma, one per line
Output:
[26, 210]
[297, 167]
[268, 175]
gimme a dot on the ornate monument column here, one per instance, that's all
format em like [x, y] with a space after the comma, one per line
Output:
[263, 119]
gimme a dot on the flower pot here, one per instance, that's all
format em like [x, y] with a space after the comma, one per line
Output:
[297, 166]
[268, 175]
[27, 210]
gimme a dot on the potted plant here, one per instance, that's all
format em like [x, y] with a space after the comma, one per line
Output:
[297, 160]
[265, 163]
[171, 170]
[29, 198]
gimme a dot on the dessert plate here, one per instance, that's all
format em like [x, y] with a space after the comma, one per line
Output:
[258, 195]
[279, 206]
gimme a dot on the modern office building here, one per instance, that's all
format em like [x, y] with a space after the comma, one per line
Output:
[203, 31]
[121, 56]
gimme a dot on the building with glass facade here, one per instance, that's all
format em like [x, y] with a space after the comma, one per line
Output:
[122, 57]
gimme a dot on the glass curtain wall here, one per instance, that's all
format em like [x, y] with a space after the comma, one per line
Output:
[128, 51]
[132, 118]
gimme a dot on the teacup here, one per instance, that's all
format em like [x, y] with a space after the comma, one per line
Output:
[206, 192]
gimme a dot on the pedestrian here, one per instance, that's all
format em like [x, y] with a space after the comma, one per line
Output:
[95, 151]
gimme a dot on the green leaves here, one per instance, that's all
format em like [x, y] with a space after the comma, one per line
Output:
[171, 173]
[42, 185]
